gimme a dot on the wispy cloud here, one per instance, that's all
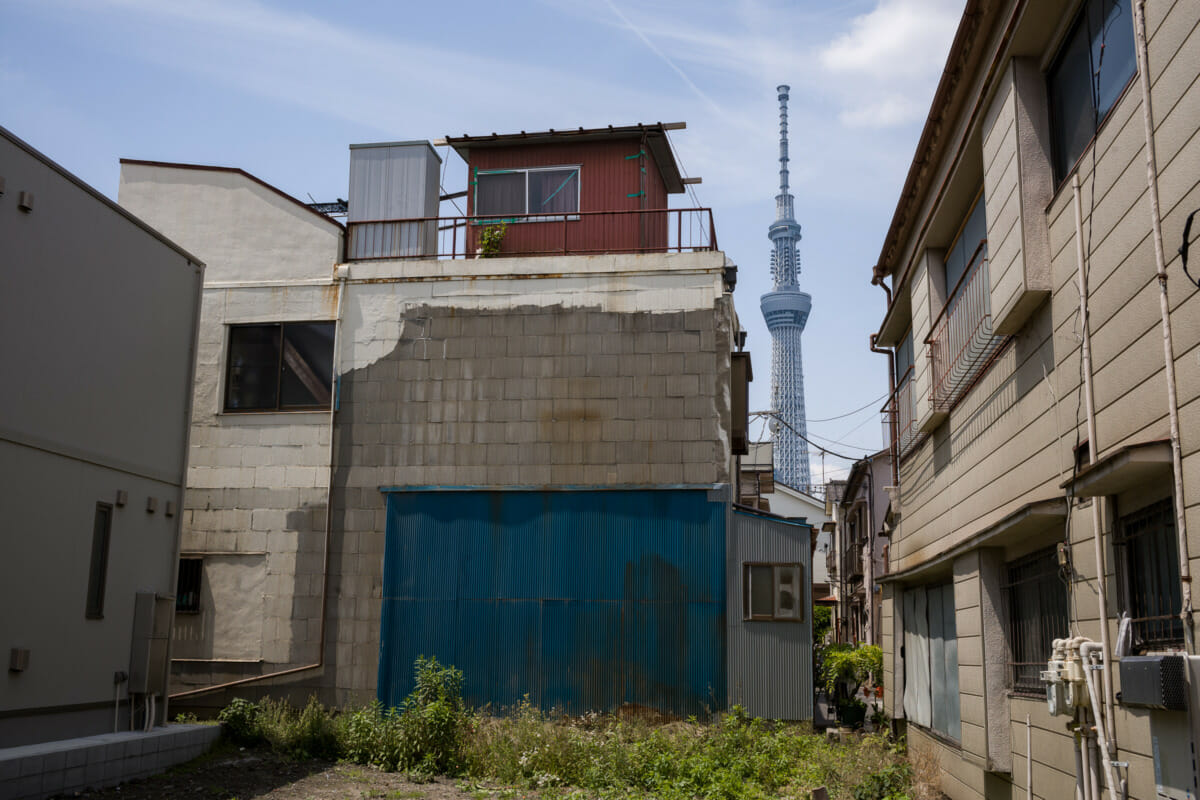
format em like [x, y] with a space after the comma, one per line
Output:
[885, 67]
[665, 58]
[388, 82]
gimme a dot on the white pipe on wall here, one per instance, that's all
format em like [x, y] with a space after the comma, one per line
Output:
[1028, 759]
[1093, 452]
[1160, 262]
[1086, 651]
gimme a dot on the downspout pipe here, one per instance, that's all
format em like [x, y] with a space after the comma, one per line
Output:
[870, 566]
[340, 282]
[894, 446]
[1093, 452]
[1160, 263]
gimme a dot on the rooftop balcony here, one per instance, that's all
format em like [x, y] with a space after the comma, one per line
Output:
[674, 230]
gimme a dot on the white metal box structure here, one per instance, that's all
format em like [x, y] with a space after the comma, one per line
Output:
[393, 181]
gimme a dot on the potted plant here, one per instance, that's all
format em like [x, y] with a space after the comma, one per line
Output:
[490, 239]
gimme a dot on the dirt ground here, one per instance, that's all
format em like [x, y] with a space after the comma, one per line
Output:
[230, 773]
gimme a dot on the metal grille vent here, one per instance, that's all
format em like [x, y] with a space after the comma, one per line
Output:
[1154, 682]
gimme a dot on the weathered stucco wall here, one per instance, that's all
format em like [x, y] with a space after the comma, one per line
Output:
[533, 395]
[246, 230]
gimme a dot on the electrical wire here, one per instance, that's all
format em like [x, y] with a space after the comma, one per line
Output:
[775, 416]
[850, 413]
[442, 182]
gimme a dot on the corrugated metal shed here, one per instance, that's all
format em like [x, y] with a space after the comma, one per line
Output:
[581, 600]
[770, 662]
[392, 181]
[611, 178]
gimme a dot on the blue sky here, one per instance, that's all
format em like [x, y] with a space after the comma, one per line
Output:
[281, 89]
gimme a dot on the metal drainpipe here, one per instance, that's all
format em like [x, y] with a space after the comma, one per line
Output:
[870, 568]
[1093, 452]
[1185, 572]
[894, 448]
[340, 282]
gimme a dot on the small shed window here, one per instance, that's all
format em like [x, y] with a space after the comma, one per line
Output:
[772, 592]
[541, 190]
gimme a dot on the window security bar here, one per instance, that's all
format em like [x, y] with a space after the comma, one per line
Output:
[962, 342]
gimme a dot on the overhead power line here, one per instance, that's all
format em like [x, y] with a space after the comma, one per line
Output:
[773, 415]
[850, 413]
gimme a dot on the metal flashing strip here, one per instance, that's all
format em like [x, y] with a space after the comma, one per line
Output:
[749, 511]
[1028, 519]
[616, 487]
[1122, 469]
[270, 284]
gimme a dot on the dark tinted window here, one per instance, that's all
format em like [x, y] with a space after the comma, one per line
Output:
[904, 355]
[277, 367]
[1091, 71]
[98, 571]
[500, 193]
[1151, 570]
[187, 588]
[968, 251]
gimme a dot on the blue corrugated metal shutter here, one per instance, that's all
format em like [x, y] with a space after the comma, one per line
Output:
[581, 600]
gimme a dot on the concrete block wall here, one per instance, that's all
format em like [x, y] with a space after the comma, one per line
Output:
[529, 395]
[255, 509]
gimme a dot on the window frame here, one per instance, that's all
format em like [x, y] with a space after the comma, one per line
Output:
[1077, 25]
[98, 564]
[1017, 586]
[777, 568]
[188, 602]
[485, 218]
[1164, 508]
[279, 407]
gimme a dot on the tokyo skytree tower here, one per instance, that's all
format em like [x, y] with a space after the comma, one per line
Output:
[785, 310]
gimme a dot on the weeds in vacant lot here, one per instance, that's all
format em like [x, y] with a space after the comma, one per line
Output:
[596, 756]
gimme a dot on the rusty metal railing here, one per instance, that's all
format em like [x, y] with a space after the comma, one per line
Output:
[900, 416]
[665, 230]
[962, 343]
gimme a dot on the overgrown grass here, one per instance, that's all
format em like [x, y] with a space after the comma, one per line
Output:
[596, 756]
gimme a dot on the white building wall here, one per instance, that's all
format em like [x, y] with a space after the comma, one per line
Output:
[100, 314]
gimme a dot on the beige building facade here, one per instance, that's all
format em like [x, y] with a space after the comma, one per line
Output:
[1046, 410]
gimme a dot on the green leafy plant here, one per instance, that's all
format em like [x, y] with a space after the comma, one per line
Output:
[531, 752]
[893, 782]
[240, 722]
[852, 666]
[491, 238]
